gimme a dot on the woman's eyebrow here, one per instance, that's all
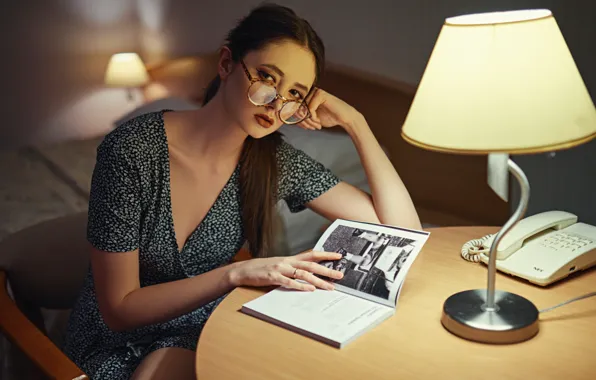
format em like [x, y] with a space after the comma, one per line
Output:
[281, 74]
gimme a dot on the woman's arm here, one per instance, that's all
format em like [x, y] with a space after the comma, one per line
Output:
[390, 202]
[125, 305]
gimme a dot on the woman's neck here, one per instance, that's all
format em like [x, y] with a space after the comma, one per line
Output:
[208, 133]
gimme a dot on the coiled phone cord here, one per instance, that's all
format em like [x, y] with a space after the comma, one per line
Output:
[471, 252]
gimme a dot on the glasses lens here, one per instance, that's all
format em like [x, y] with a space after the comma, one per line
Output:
[261, 93]
[293, 112]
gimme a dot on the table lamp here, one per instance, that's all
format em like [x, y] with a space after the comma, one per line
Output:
[126, 70]
[499, 83]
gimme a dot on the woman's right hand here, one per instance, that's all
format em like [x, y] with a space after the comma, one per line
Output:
[284, 271]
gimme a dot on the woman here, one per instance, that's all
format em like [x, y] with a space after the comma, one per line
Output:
[176, 194]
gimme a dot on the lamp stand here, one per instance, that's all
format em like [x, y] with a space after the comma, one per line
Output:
[494, 316]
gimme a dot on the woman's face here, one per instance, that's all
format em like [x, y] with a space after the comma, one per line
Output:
[290, 67]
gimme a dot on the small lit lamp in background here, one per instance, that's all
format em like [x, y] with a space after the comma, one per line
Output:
[499, 83]
[126, 70]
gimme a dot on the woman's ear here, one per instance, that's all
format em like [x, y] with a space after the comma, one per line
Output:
[225, 64]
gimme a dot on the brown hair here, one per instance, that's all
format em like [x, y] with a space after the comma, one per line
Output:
[259, 172]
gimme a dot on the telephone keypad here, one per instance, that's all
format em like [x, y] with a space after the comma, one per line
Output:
[563, 240]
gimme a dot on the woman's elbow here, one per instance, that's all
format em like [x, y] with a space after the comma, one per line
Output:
[414, 223]
[114, 323]
[113, 318]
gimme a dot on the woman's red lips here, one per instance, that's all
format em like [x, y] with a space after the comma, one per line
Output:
[264, 120]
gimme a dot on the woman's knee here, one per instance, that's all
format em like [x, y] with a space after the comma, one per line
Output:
[167, 363]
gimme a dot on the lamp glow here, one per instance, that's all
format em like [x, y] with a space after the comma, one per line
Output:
[126, 70]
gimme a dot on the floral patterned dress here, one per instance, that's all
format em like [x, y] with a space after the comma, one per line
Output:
[130, 208]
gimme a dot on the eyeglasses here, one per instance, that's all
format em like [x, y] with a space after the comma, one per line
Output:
[262, 92]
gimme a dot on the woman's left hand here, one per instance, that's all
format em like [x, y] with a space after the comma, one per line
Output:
[327, 111]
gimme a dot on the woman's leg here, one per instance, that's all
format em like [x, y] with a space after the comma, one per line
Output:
[167, 363]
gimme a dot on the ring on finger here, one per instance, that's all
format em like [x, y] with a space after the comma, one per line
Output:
[294, 274]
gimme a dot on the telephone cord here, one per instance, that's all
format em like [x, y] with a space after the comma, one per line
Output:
[592, 294]
[472, 249]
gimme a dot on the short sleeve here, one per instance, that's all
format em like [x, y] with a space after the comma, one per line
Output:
[301, 178]
[114, 204]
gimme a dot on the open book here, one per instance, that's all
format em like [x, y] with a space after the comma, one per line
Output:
[376, 259]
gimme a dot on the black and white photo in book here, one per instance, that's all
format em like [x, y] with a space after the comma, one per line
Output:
[372, 257]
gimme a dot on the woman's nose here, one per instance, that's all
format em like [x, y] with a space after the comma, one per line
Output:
[277, 103]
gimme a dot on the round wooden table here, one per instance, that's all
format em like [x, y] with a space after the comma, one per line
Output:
[412, 344]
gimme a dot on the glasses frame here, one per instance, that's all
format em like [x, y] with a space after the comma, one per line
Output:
[277, 95]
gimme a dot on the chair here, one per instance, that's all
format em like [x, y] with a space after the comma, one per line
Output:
[45, 266]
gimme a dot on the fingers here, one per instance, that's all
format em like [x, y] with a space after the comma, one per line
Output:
[316, 268]
[285, 281]
[318, 256]
[315, 101]
[311, 278]
[311, 124]
[305, 125]
[311, 95]
[300, 272]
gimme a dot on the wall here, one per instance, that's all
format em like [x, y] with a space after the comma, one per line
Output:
[53, 67]
[393, 38]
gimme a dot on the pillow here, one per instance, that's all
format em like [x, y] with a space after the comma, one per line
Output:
[173, 103]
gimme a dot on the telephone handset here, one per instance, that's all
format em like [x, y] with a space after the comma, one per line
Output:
[541, 248]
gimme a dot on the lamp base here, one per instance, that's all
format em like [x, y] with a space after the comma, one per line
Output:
[514, 318]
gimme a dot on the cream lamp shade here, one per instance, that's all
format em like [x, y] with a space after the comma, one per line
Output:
[500, 82]
[126, 70]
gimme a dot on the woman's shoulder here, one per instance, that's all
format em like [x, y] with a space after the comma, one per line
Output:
[292, 160]
[287, 152]
[137, 138]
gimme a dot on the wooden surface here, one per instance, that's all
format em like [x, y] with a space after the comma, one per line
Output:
[412, 344]
[20, 331]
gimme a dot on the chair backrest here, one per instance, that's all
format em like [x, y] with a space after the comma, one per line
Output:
[46, 263]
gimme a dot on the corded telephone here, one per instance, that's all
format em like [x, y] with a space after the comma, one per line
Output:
[541, 248]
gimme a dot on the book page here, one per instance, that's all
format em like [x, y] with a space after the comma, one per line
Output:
[333, 315]
[375, 259]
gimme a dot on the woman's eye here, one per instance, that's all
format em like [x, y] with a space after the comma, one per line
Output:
[266, 76]
[296, 94]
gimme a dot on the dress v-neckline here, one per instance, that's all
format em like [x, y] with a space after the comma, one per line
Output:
[220, 195]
